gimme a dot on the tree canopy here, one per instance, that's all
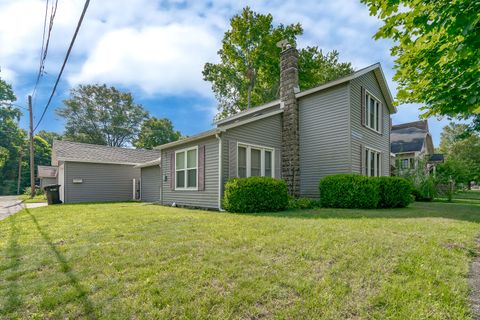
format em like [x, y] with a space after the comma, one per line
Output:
[155, 132]
[248, 73]
[437, 50]
[99, 114]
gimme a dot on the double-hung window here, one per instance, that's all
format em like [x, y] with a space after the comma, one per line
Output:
[373, 113]
[372, 163]
[186, 168]
[254, 161]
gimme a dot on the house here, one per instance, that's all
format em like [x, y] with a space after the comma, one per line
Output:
[411, 143]
[89, 173]
[342, 126]
[47, 175]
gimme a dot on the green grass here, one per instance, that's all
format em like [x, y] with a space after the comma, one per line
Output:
[136, 261]
[37, 199]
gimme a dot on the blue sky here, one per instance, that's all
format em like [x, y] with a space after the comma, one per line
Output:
[157, 50]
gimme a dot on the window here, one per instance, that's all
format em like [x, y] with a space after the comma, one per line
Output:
[407, 163]
[254, 161]
[373, 112]
[186, 169]
[372, 163]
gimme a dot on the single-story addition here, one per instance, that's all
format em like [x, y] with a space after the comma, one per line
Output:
[342, 126]
[89, 173]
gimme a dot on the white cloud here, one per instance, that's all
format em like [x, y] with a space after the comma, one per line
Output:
[161, 59]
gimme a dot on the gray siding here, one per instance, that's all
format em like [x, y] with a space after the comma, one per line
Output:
[324, 137]
[207, 198]
[101, 182]
[362, 135]
[151, 177]
[266, 132]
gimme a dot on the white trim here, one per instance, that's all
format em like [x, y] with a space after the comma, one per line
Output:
[248, 147]
[149, 163]
[199, 136]
[219, 137]
[378, 118]
[185, 150]
[96, 161]
[249, 111]
[378, 169]
[239, 123]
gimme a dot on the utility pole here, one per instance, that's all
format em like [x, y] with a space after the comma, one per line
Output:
[19, 171]
[32, 162]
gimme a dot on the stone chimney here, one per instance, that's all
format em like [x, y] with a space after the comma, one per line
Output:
[289, 85]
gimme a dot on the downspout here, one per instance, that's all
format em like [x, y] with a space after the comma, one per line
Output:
[161, 178]
[219, 137]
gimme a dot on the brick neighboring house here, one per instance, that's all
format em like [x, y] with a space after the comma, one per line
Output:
[342, 126]
[411, 143]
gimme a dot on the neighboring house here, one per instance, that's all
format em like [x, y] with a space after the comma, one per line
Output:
[411, 143]
[88, 172]
[342, 126]
[47, 175]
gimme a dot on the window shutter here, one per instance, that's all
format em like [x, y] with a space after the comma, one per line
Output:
[232, 158]
[381, 118]
[278, 164]
[362, 160]
[172, 170]
[362, 104]
[201, 167]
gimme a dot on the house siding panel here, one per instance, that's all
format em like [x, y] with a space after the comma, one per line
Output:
[151, 178]
[101, 182]
[207, 198]
[362, 135]
[324, 137]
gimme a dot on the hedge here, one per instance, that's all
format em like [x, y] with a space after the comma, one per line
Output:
[255, 194]
[355, 191]
[395, 192]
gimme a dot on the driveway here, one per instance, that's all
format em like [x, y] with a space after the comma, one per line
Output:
[10, 205]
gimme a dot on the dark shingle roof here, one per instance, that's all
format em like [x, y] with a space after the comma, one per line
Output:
[75, 151]
[407, 139]
[436, 157]
[421, 124]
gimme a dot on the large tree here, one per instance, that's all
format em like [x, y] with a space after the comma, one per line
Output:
[437, 50]
[155, 132]
[451, 133]
[101, 115]
[248, 73]
[49, 136]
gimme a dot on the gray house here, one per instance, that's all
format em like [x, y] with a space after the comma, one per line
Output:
[88, 172]
[342, 126]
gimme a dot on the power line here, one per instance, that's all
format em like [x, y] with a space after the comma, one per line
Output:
[87, 2]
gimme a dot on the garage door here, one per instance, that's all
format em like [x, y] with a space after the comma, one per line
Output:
[151, 184]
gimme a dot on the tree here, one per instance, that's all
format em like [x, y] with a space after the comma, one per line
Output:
[249, 73]
[437, 53]
[451, 134]
[49, 136]
[468, 151]
[155, 132]
[101, 115]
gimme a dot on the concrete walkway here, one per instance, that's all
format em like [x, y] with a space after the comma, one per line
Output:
[10, 205]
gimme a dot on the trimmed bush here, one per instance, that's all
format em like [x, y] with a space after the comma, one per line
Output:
[349, 191]
[395, 192]
[255, 194]
[302, 203]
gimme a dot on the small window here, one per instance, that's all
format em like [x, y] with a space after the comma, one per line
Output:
[373, 112]
[186, 169]
[254, 161]
[372, 163]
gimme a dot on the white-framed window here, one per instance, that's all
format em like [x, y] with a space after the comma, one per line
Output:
[186, 169]
[372, 163]
[254, 160]
[373, 112]
[407, 163]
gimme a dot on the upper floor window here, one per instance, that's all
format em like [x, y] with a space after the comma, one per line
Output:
[372, 163]
[254, 161]
[186, 168]
[373, 112]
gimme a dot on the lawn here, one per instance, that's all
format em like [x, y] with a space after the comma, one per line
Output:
[138, 261]
[37, 199]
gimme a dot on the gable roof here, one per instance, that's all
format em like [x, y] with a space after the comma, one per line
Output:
[421, 124]
[409, 137]
[83, 152]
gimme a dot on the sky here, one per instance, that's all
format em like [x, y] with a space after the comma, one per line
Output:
[157, 50]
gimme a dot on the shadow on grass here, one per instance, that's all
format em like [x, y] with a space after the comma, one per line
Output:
[455, 211]
[67, 270]
[14, 299]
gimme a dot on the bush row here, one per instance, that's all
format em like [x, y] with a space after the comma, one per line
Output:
[355, 191]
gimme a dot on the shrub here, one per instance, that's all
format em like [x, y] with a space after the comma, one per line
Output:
[38, 191]
[394, 192]
[302, 203]
[349, 191]
[255, 194]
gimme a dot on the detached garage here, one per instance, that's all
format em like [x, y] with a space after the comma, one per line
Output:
[94, 173]
[151, 178]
